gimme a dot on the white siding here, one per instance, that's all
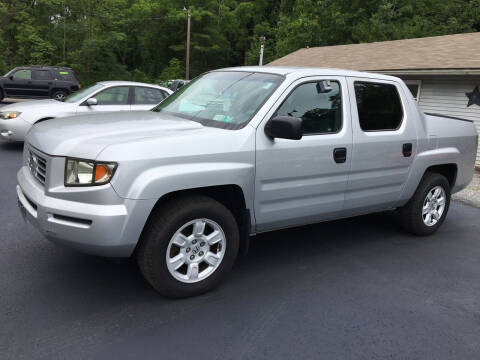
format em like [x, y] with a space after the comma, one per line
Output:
[446, 95]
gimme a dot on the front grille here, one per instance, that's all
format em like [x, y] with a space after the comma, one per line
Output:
[38, 166]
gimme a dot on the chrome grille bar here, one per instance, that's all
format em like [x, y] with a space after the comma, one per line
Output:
[38, 166]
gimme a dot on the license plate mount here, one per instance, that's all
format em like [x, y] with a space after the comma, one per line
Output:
[23, 210]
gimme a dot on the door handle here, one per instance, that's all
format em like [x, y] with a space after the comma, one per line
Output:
[407, 149]
[340, 155]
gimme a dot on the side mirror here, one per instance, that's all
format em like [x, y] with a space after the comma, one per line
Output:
[11, 77]
[284, 127]
[92, 101]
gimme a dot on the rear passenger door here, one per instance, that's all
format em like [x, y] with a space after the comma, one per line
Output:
[304, 181]
[42, 82]
[146, 98]
[384, 144]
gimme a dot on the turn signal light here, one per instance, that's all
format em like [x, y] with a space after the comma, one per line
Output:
[102, 173]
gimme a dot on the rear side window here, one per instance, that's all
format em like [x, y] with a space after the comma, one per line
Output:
[145, 95]
[23, 74]
[320, 110]
[379, 106]
[66, 75]
[43, 75]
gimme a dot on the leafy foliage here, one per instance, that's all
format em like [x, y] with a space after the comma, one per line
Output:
[144, 40]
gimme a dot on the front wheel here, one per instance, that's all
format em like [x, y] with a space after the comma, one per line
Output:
[188, 247]
[427, 209]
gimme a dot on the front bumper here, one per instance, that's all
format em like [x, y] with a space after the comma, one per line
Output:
[111, 230]
[14, 129]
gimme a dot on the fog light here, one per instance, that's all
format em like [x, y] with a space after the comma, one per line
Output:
[6, 133]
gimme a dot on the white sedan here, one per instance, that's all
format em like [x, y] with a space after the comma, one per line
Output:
[17, 119]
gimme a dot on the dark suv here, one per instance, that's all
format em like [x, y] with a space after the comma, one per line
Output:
[38, 82]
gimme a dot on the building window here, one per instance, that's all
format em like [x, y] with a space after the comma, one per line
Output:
[414, 87]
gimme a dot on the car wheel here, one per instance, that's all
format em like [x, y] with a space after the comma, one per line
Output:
[59, 95]
[188, 246]
[1, 95]
[427, 209]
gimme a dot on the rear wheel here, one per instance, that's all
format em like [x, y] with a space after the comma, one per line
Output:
[59, 95]
[189, 246]
[427, 209]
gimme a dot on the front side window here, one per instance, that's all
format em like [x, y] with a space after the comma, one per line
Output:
[113, 96]
[225, 99]
[319, 108]
[145, 95]
[23, 75]
[379, 106]
[43, 75]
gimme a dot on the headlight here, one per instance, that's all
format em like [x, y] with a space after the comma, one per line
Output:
[5, 115]
[88, 173]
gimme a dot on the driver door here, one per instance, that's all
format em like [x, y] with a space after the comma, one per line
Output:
[304, 181]
[19, 83]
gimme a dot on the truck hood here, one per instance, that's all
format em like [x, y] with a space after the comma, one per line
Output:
[85, 136]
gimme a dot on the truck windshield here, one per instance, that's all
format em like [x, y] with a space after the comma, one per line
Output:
[225, 99]
[79, 95]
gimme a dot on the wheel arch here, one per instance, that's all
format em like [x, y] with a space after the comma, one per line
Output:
[448, 170]
[55, 89]
[43, 119]
[229, 195]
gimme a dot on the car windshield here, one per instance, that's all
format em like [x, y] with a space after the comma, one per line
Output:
[79, 95]
[225, 99]
[9, 73]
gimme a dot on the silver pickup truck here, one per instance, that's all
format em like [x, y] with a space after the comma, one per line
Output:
[238, 152]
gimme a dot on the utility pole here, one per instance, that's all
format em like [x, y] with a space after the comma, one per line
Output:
[262, 45]
[64, 33]
[187, 60]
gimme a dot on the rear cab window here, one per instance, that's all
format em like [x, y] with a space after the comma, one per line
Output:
[379, 106]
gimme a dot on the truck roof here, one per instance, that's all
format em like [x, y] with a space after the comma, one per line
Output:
[309, 71]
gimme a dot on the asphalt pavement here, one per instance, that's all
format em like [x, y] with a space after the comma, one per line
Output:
[359, 288]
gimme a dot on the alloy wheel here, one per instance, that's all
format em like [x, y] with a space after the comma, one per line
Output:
[60, 97]
[196, 250]
[434, 206]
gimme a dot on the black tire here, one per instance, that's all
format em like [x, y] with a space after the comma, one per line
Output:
[411, 216]
[164, 223]
[1, 95]
[59, 95]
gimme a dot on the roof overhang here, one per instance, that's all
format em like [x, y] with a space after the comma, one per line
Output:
[428, 72]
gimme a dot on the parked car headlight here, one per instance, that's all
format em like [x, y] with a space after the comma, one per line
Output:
[5, 115]
[88, 173]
